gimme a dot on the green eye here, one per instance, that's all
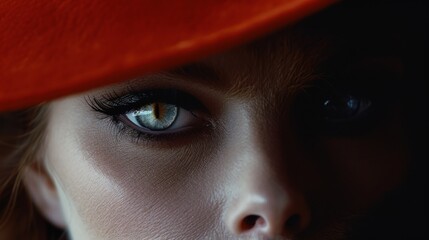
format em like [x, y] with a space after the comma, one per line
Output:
[154, 116]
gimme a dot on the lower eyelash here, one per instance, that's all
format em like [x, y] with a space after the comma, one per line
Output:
[120, 129]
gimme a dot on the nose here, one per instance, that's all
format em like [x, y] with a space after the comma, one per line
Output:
[264, 204]
[267, 210]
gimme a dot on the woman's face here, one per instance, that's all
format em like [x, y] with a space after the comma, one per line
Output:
[286, 137]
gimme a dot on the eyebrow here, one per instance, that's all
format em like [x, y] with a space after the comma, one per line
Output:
[239, 85]
[197, 72]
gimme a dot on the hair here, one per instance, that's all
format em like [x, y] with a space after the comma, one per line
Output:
[21, 137]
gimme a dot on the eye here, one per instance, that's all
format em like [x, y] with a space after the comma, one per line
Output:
[343, 108]
[356, 99]
[155, 114]
[158, 116]
[334, 112]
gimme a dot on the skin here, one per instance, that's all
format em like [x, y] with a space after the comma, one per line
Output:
[254, 174]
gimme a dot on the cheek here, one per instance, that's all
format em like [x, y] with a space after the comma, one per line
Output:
[365, 170]
[115, 189]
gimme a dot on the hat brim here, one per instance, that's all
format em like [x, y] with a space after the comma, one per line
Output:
[49, 50]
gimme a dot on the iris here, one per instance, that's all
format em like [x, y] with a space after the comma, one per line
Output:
[154, 116]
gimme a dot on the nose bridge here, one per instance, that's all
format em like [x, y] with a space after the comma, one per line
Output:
[262, 201]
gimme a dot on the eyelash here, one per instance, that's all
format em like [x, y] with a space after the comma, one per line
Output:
[114, 106]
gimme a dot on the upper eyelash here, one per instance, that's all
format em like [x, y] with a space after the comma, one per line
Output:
[114, 104]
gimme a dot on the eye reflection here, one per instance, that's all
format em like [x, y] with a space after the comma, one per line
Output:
[155, 116]
[345, 107]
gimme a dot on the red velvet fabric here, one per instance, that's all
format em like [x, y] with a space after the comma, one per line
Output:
[51, 48]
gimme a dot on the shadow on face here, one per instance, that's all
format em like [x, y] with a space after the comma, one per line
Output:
[303, 135]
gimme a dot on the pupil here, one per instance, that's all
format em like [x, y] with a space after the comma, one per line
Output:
[156, 110]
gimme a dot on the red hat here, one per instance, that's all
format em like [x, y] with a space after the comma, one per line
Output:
[53, 48]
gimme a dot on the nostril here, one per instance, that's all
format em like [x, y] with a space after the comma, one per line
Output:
[250, 221]
[293, 223]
